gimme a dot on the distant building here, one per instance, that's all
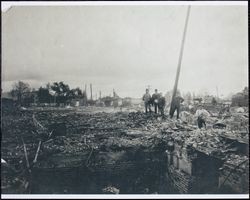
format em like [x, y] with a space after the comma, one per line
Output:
[77, 102]
[127, 101]
[197, 100]
[117, 101]
[100, 103]
[208, 99]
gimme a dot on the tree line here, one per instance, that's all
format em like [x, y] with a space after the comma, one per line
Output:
[58, 92]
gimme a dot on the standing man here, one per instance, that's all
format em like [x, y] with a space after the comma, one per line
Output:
[155, 99]
[176, 106]
[161, 104]
[146, 98]
[201, 115]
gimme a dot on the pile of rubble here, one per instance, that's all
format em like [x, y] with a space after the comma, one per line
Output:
[76, 137]
[86, 131]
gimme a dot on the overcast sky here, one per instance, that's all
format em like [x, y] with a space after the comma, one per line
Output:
[126, 47]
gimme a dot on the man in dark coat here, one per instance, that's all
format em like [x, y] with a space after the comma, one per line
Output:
[155, 99]
[176, 104]
[161, 104]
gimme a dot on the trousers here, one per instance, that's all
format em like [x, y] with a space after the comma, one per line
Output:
[201, 122]
[173, 109]
[156, 107]
[147, 107]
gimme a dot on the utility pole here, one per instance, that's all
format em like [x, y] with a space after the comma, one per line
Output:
[100, 94]
[180, 58]
[91, 91]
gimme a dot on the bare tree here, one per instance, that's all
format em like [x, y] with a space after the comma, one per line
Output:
[20, 91]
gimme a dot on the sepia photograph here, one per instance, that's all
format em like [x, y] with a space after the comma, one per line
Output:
[115, 99]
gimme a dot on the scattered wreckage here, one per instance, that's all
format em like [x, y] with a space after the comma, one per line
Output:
[122, 152]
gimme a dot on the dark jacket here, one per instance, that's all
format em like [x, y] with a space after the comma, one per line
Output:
[155, 97]
[146, 98]
[177, 101]
[162, 102]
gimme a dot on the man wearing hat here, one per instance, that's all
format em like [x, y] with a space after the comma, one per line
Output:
[176, 104]
[155, 100]
[161, 104]
[146, 98]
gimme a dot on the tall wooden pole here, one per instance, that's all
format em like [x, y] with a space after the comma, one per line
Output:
[180, 58]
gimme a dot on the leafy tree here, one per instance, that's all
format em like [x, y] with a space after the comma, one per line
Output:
[61, 90]
[43, 95]
[75, 93]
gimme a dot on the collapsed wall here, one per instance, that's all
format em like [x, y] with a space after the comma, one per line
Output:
[196, 175]
[218, 164]
[234, 178]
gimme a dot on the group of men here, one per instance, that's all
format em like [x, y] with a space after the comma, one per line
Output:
[158, 101]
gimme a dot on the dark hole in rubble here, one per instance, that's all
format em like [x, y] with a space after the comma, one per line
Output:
[58, 129]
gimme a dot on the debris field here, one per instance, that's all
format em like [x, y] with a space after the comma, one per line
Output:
[70, 151]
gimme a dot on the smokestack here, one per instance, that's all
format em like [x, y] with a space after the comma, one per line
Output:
[91, 91]
[85, 91]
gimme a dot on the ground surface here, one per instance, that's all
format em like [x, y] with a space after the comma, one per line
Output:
[102, 149]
